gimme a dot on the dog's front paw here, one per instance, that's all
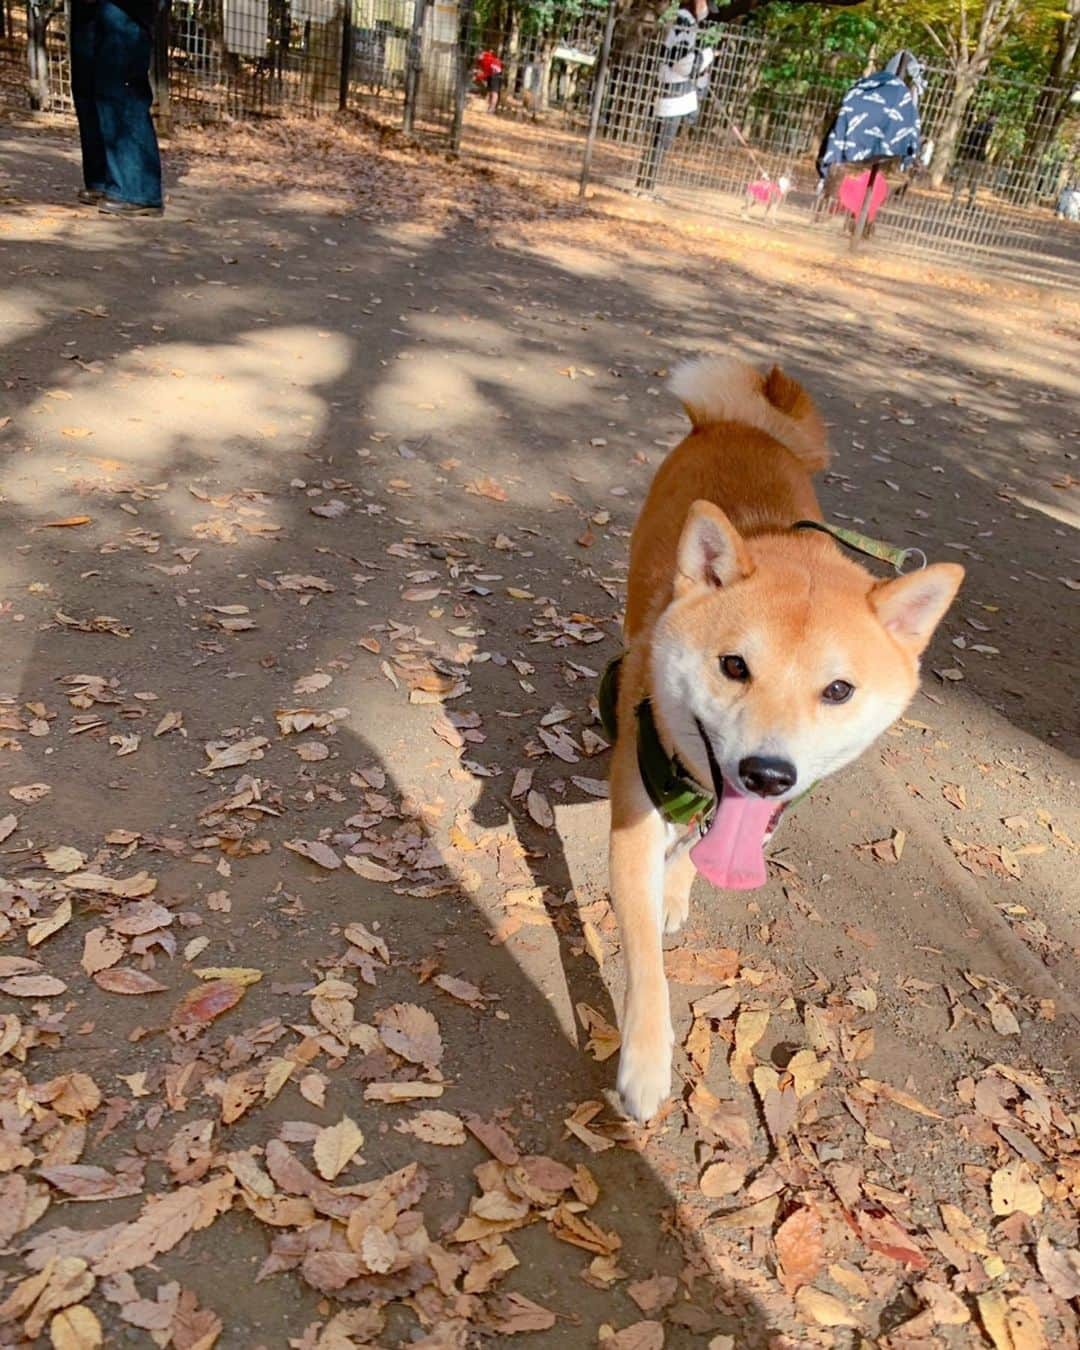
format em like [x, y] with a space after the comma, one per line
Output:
[676, 907]
[644, 1080]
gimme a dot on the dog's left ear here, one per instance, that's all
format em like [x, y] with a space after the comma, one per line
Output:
[711, 551]
[784, 393]
[912, 606]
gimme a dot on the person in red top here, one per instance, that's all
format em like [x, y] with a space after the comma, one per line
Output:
[489, 69]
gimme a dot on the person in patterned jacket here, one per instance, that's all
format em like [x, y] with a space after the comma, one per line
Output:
[684, 77]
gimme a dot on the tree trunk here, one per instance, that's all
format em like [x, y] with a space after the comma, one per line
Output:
[945, 143]
[1053, 101]
[970, 63]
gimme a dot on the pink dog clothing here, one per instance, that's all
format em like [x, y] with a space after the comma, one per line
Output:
[763, 191]
[853, 190]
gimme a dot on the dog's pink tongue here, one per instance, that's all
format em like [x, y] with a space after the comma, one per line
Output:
[731, 855]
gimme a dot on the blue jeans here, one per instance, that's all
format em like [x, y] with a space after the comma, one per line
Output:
[110, 83]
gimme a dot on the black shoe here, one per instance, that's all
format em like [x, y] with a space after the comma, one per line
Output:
[110, 207]
[90, 196]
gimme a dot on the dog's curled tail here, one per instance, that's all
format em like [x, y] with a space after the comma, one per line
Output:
[716, 389]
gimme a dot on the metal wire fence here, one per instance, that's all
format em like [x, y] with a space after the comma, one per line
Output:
[763, 115]
[764, 112]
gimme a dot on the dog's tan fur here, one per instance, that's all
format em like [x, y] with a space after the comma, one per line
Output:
[716, 570]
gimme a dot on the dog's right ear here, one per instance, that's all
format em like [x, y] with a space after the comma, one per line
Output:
[711, 550]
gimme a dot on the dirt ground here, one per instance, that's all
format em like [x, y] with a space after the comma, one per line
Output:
[317, 496]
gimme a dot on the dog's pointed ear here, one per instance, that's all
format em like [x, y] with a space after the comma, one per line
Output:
[711, 550]
[912, 606]
[783, 392]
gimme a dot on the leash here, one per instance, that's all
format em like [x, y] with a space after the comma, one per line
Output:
[899, 558]
[749, 150]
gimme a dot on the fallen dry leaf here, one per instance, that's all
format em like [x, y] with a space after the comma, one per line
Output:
[824, 1309]
[800, 1249]
[124, 980]
[336, 1147]
[411, 1032]
[75, 1328]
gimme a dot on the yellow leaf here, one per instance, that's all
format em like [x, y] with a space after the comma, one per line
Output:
[243, 975]
[823, 1308]
[994, 1312]
[336, 1146]
[45, 928]
[749, 1029]
[75, 1329]
[1012, 1190]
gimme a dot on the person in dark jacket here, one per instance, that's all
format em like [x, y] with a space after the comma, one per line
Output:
[110, 84]
[971, 157]
[684, 76]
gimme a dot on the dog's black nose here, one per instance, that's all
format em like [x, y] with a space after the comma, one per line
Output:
[767, 777]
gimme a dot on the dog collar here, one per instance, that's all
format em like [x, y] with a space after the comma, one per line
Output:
[672, 789]
[678, 796]
[871, 548]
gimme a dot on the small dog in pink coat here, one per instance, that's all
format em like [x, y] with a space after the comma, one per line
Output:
[768, 193]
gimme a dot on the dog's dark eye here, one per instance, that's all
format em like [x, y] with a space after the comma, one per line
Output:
[837, 692]
[734, 667]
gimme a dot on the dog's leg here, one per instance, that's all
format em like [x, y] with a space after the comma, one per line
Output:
[637, 889]
[679, 874]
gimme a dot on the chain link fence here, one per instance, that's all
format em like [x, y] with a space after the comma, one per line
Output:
[582, 103]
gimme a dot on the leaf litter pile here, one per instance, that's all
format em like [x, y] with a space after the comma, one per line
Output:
[261, 985]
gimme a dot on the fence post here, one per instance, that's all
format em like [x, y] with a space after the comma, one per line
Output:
[464, 53]
[858, 225]
[599, 81]
[37, 59]
[159, 70]
[346, 55]
[412, 66]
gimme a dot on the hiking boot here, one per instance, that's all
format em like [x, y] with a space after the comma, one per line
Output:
[90, 196]
[110, 207]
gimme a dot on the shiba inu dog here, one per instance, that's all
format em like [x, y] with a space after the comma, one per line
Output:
[759, 659]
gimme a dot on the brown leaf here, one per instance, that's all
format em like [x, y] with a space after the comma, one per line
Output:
[166, 1220]
[1060, 1269]
[698, 966]
[125, 980]
[824, 1309]
[322, 854]
[637, 1336]
[494, 1138]
[402, 1092]
[722, 1178]
[655, 1293]
[539, 809]
[147, 916]
[900, 1097]
[100, 951]
[434, 1127]
[411, 1032]
[514, 1313]
[33, 986]
[206, 1002]
[67, 523]
[800, 1249]
[84, 1182]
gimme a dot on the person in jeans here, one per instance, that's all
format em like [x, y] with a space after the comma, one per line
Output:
[684, 74]
[110, 83]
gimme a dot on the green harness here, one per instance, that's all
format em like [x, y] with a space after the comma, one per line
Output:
[675, 794]
[678, 796]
